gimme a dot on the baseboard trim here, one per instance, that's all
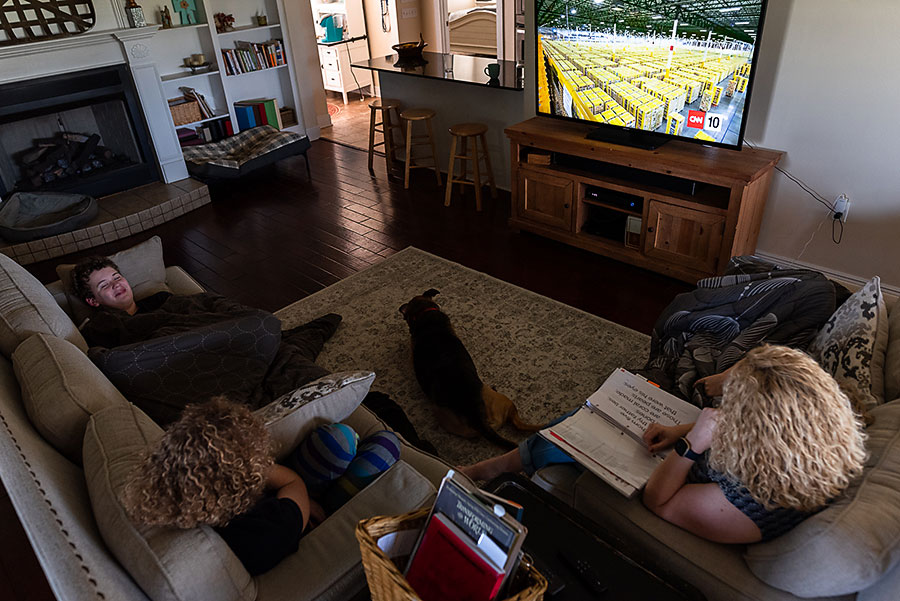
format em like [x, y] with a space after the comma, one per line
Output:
[853, 282]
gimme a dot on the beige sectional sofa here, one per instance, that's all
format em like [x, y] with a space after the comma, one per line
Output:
[86, 547]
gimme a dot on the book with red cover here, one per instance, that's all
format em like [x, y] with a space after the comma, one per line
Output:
[447, 567]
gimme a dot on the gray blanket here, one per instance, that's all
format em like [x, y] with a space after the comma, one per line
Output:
[191, 348]
[706, 331]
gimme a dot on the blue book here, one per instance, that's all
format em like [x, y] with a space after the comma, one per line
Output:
[245, 117]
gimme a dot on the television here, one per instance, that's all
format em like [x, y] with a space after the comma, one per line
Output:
[647, 72]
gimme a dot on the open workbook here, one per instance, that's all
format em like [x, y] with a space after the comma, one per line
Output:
[604, 434]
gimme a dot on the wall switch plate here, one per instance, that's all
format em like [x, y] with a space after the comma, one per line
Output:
[842, 206]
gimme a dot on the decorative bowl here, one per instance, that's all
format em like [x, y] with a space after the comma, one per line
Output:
[409, 51]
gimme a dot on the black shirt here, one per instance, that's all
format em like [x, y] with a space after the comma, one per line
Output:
[266, 534]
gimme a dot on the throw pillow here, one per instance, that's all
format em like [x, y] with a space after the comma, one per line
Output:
[329, 399]
[142, 265]
[851, 345]
[27, 307]
[324, 455]
[61, 389]
[167, 563]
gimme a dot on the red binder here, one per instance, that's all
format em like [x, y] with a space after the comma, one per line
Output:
[447, 567]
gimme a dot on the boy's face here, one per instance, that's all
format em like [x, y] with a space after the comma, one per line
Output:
[110, 289]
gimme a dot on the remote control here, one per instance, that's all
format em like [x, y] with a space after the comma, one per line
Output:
[585, 572]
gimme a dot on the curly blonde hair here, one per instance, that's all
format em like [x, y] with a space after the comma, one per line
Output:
[208, 467]
[786, 431]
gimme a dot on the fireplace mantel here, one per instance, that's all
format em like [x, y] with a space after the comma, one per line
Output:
[111, 43]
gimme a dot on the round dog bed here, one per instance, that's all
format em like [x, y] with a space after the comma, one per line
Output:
[28, 216]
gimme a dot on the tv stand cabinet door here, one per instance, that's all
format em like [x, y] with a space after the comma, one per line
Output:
[684, 236]
[546, 199]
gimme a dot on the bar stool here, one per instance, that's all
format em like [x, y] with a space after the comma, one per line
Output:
[388, 125]
[461, 133]
[408, 117]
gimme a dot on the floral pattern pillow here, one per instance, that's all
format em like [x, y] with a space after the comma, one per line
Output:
[329, 399]
[852, 344]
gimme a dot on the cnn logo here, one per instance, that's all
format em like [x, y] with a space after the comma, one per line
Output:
[696, 119]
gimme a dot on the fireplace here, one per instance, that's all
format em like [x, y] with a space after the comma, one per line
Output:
[79, 132]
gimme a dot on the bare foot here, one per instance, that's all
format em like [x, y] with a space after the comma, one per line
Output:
[493, 467]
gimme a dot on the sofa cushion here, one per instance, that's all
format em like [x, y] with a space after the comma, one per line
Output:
[167, 563]
[892, 357]
[27, 307]
[327, 566]
[142, 265]
[851, 345]
[61, 389]
[327, 400]
[852, 543]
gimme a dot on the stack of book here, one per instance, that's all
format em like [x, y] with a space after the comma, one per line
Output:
[470, 546]
[212, 131]
[251, 56]
[258, 111]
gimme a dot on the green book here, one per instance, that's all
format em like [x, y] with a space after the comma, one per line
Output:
[270, 107]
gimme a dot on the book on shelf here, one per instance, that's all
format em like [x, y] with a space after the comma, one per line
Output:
[191, 94]
[245, 117]
[266, 111]
[605, 433]
[469, 541]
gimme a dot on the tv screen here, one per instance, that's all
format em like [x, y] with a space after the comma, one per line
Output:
[672, 68]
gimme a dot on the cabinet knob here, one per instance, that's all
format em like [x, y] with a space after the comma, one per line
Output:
[650, 229]
[566, 206]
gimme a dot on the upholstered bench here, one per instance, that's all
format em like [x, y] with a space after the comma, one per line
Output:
[244, 152]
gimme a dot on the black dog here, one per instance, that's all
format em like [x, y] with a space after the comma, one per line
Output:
[463, 403]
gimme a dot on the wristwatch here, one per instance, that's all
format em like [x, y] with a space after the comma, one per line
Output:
[683, 449]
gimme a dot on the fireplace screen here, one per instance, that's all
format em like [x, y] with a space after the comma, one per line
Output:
[24, 21]
[56, 150]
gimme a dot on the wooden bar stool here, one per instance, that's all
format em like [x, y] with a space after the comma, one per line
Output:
[388, 125]
[408, 117]
[461, 133]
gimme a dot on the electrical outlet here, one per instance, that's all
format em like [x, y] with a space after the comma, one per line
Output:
[841, 207]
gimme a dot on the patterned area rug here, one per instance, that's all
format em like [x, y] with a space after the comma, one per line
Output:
[333, 109]
[546, 356]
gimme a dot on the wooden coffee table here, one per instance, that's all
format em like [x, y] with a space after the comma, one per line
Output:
[558, 537]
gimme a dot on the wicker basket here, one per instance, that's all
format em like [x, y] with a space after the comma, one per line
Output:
[386, 582]
[184, 111]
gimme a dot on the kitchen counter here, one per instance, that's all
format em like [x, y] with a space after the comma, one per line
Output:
[449, 67]
[344, 41]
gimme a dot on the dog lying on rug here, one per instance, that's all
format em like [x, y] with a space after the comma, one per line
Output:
[463, 404]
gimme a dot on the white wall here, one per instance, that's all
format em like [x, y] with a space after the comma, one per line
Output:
[827, 93]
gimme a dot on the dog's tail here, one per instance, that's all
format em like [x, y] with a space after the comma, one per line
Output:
[522, 425]
[481, 424]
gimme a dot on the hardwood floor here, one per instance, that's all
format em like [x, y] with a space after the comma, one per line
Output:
[274, 237]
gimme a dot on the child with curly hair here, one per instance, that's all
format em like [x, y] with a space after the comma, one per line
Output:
[214, 467]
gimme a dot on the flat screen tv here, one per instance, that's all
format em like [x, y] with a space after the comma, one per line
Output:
[648, 71]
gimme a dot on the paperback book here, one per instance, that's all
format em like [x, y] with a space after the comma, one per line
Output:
[605, 433]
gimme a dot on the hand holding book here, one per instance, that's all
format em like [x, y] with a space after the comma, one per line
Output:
[658, 437]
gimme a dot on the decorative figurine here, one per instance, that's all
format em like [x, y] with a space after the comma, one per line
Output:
[224, 22]
[187, 9]
[135, 14]
[166, 17]
[262, 20]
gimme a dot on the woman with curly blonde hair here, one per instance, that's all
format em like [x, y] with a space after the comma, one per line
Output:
[214, 466]
[783, 442]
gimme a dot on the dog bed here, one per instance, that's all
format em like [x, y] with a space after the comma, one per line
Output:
[244, 152]
[28, 216]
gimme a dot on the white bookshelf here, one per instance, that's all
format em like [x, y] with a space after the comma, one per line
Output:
[221, 90]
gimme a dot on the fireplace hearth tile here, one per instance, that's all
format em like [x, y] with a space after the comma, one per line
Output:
[120, 215]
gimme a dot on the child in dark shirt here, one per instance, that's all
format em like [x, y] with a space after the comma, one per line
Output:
[214, 466]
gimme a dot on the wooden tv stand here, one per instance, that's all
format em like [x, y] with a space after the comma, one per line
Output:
[698, 206]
